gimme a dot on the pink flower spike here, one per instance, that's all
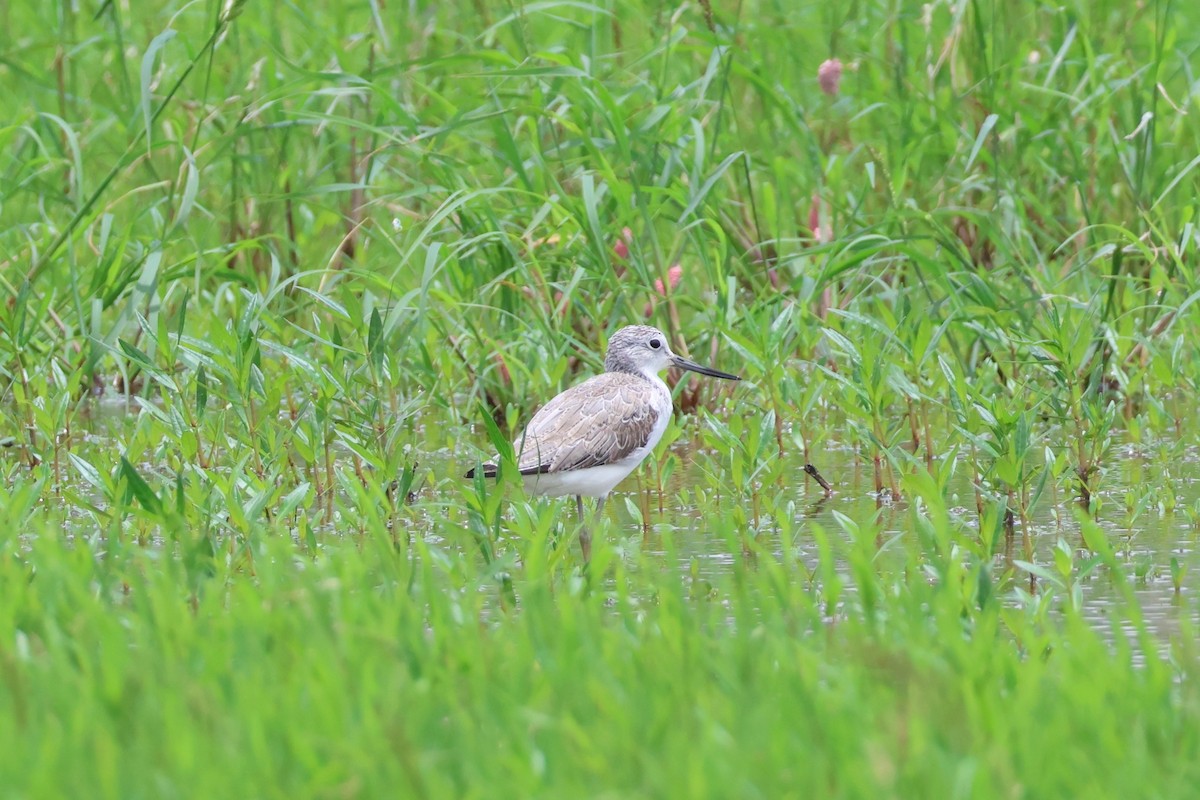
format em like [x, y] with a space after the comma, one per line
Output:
[829, 76]
[505, 375]
[559, 305]
[674, 275]
[621, 248]
[814, 218]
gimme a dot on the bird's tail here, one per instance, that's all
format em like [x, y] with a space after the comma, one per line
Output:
[489, 471]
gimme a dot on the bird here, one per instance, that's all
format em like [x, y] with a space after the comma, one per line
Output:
[588, 438]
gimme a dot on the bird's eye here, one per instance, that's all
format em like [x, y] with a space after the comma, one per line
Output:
[655, 344]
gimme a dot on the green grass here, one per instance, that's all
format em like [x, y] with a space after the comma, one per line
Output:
[269, 273]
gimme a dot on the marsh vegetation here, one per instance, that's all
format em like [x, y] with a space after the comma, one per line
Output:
[275, 276]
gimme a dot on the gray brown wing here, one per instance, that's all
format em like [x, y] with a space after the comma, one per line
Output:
[600, 421]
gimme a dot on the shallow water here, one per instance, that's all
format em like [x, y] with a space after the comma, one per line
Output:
[1146, 542]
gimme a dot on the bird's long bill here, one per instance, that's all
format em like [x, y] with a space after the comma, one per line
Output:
[692, 366]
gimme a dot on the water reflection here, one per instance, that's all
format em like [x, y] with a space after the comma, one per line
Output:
[1156, 548]
[1146, 542]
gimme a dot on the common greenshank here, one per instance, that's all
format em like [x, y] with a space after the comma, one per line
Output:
[587, 439]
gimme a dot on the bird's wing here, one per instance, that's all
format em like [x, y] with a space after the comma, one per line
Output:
[600, 421]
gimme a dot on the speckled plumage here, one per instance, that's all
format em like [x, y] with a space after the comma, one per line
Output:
[587, 439]
[564, 434]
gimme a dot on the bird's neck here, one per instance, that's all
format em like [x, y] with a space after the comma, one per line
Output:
[654, 378]
[646, 373]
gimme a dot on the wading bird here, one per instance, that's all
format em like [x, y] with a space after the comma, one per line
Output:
[587, 439]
